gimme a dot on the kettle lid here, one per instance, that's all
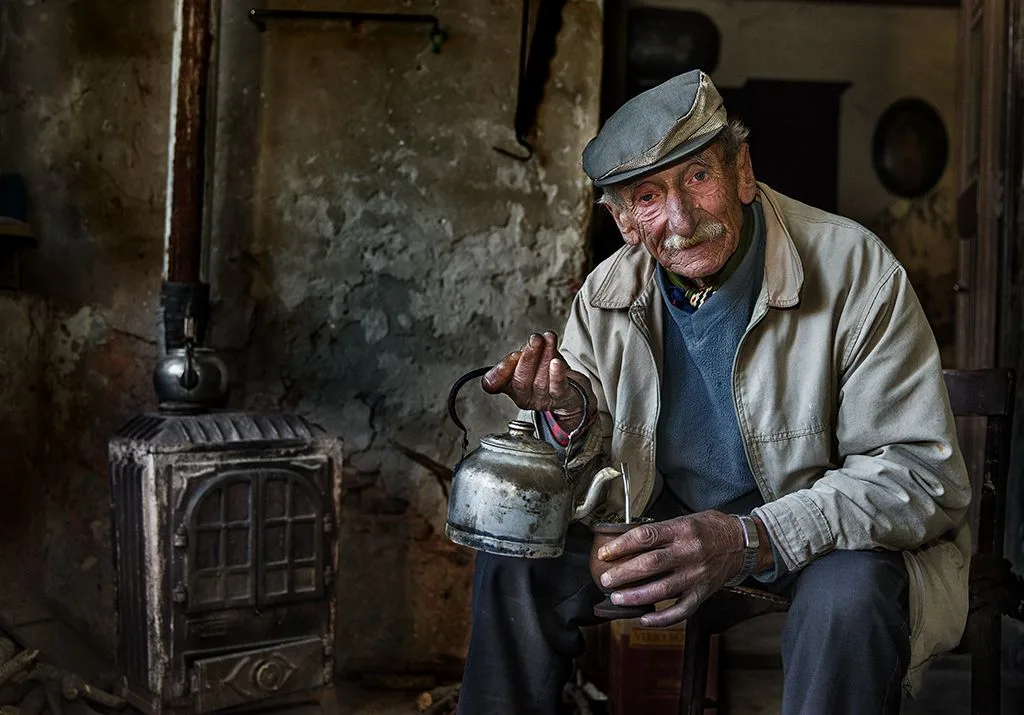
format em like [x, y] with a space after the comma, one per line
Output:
[519, 439]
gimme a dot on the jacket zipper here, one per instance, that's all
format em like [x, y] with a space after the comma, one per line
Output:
[766, 493]
[634, 318]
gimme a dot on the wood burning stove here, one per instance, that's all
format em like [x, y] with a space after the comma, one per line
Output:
[224, 523]
[225, 540]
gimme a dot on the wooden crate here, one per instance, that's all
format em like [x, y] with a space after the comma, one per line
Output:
[646, 666]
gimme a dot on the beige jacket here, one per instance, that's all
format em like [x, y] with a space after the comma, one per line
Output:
[839, 397]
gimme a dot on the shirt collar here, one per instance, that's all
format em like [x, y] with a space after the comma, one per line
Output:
[695, 295]
[751, 225]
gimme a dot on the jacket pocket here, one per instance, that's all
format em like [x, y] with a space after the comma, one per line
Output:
[797, 455]
[938, 575]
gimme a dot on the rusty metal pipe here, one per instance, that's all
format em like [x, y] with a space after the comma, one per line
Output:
[186, 170]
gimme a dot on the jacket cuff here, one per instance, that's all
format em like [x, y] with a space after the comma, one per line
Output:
[797, 529]
[587, 449]
[776, 570]
[559, 435]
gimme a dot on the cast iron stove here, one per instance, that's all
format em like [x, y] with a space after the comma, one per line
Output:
[225, 545]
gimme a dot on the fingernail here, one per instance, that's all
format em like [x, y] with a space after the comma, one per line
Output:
[606, 580]
[617, 598]
[536, 340]
[645, 621]
[602, 553]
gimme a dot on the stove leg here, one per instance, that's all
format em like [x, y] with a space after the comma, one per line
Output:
[329, 701]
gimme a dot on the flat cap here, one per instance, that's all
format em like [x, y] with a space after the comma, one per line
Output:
[656, 128]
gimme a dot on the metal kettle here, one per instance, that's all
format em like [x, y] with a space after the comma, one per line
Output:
[512, 495]
[190, 378]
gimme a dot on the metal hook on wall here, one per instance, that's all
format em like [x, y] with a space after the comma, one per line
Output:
[510, 155]
[536, 51]
[438, 34]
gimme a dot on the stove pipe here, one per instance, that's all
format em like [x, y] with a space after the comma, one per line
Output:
[224, 524]
[188, 378]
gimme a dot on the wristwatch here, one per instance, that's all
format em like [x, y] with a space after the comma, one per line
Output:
[751, 544]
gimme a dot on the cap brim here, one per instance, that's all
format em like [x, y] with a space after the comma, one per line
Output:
[681, 152]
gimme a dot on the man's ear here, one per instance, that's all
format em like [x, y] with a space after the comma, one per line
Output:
[624, 220]
[746, 184]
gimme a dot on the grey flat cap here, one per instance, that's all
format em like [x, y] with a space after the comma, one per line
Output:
[656, 128]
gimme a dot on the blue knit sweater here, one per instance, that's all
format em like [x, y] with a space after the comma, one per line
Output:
[699, 448]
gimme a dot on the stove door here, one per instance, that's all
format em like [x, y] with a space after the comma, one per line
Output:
[256, 536]
[229, 680]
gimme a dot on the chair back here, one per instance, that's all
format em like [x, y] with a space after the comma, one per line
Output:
[989, 394]
[980, 393]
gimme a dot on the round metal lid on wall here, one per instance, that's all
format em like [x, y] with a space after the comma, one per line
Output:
[665, 42]
[910, 147]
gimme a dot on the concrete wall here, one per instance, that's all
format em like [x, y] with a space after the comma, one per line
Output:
[886, 53]
[23, 323]
[367, 247]
[84, 115]
[378, 250]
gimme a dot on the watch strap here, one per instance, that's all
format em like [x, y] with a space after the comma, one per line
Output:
[751, 545]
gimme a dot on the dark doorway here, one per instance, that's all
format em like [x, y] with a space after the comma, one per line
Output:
[794, 135]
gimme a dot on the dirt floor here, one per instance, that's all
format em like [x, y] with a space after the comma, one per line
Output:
[753, 682]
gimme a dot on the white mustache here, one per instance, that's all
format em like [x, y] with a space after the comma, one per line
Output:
[705, 231]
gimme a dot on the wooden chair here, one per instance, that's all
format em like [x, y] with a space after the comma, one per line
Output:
[993, 589]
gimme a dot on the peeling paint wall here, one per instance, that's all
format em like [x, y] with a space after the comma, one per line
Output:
[23, 322]
[83, 101]
[366, 247]
[886, 54]
[375, 247]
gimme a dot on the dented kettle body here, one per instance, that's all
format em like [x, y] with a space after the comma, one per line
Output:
[511, 496]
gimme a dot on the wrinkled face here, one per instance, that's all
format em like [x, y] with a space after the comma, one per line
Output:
[689, 215]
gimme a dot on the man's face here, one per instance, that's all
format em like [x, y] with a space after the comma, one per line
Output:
[689, 215]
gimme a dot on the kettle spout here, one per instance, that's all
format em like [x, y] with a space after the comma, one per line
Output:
[597, 492]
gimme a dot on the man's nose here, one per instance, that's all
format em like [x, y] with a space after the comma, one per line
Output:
[680, 214]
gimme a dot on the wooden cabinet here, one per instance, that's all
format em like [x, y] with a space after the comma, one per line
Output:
[981, 177]
[990, 221]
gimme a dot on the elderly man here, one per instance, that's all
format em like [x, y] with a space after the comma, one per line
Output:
[767, 374]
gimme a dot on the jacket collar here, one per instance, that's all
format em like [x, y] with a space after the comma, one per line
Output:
[630, 275]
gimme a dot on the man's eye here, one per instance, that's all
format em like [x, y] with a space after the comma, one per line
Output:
[646, 198]
[700, 176]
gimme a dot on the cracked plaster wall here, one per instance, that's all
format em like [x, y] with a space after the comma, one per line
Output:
[369, 247]
[22, 321]
[83, 115]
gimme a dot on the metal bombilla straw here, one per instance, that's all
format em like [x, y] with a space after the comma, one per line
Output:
[625, 487]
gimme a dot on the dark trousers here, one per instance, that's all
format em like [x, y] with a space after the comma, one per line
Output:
[845, 646]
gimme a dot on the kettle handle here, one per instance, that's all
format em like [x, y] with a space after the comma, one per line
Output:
[480, 372]
[189, 379]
